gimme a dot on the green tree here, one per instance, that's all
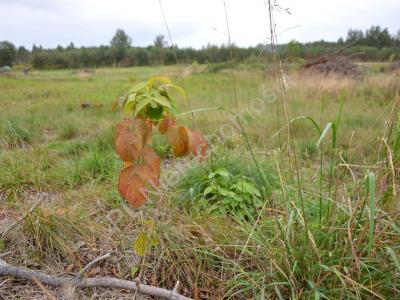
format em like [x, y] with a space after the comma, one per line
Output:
[71, 46]
[397, 38]
[22, 55]
[294, 50]
[354, 35]
[119, 44]
[160, 41]
[8, 53]
[376, 37]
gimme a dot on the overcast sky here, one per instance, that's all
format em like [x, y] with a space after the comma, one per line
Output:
[191, 22]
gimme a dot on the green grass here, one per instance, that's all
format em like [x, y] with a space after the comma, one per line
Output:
[339, 238]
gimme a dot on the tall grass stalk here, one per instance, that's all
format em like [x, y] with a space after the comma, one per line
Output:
[268, 200]
[371, 204]
[281, 97]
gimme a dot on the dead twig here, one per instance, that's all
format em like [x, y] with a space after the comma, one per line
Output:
[5, 254]
[36, 204]
[89, 265]
[105, 282]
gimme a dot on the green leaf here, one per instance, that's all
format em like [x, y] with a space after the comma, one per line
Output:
[141, 105]
[209, 190]
[158, 79]
[227, 193]
[155, 113]
[134, 270]
[325, 132]
[154, 240]
[222, 172]
[137, 87]
[132, 96]
[174, 87]
[246, 187]
[141, 244]
[129, 105]
[130, 102]
[160, 100]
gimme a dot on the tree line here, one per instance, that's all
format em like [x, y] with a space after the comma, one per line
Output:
[375, 44]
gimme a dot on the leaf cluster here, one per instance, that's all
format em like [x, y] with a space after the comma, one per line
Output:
[226, 193]
[151, 104]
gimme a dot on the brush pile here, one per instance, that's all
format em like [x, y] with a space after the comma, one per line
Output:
[395, 66]
[325, 65]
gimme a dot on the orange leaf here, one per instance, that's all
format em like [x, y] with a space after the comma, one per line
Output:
[132, 187]
[133, 180]
[131, 136]
[128, 145]
[149, 125]
[121, 126]
[125, 179]
[127, 164]
[151, 159]
[148, 129]
[163, 125]
[178, 137]
[148, 175]
[197, 143]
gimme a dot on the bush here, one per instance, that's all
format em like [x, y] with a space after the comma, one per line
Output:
[228, 185]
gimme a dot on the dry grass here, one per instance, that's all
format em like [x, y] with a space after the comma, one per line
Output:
[56, 148]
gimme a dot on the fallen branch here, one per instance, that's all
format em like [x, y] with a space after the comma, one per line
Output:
[105, 282]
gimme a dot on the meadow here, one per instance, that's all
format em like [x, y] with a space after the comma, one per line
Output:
[319, 157]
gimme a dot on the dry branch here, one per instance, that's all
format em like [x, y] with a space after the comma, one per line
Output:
[104, 282]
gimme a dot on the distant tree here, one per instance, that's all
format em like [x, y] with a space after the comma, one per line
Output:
[397, 38]
[354, 35]
[340, 41]
[22, 54]
[8, 53]
[71, 46]
[59, 48]
[160, 41]
[40, 60]
[376, 37]
[85, 57]
[293, 50]
[36, 48]
[119, 44]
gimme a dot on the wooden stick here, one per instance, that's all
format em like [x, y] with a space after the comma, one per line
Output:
[105, 282]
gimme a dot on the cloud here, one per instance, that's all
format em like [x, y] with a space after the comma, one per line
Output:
[191, 22]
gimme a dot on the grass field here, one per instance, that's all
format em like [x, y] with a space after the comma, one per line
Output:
[320, 218]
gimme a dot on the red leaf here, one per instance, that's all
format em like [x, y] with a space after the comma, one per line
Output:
[128, 145]
[149, 125]
[130, 138]
[148, 175]
[151, 159]
[165, 124]
[197, 144]
[133, 179]
[121, 126]
[132, 187]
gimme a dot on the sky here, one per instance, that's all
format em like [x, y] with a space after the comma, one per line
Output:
[192, 23]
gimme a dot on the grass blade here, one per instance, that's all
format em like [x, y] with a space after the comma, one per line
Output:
[371, 204]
